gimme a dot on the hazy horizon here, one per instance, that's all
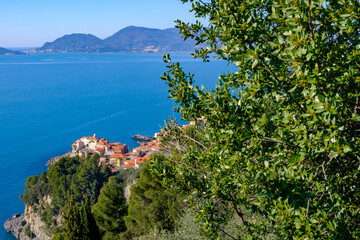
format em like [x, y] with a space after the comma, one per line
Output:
[34, 23]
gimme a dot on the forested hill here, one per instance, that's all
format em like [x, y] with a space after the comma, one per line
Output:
[74, 43]
[129, 39]
[4, 51]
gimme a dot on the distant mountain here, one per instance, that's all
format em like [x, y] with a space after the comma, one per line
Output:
[140, 39]
[129, 39]
[73, 43]
[4, 51]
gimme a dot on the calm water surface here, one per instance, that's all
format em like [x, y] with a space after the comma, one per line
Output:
[47, 101]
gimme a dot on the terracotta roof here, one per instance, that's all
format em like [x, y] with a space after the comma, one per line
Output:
[90, 138]
[117, 155]
[100, 149]
[140, 160]
[118, 147]
[129, 166]
[129, 162]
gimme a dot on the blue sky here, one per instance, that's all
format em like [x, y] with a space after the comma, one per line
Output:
[31, 23]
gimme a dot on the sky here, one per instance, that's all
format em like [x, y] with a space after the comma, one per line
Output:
[31, 23]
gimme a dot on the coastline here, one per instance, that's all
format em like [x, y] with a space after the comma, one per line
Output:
[15, 225]
[53, 160]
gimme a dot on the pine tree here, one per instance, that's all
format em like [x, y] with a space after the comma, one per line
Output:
[110, 209]
[90, 230]
[152, 205]
[72, 224]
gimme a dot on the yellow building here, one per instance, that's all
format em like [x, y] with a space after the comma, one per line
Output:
[116, 159]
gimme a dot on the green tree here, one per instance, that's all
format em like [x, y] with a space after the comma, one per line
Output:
[283, 130]
[110, 209]
[151, 205]
[58, 236]
[73, 229]
[90, 230]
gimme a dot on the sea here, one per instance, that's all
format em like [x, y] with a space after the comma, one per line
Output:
[49, 100]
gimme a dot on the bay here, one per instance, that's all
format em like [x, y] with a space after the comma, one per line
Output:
[47, 101]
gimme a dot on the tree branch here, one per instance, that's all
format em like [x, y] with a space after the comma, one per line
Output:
[227, 233]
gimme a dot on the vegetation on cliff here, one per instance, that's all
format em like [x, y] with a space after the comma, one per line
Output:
[69, 183]
[151, 205]
[77, 199]
[111, 209]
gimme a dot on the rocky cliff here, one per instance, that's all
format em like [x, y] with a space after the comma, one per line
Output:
[30, 225]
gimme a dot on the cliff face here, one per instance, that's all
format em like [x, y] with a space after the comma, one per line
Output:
[29, 225]
[37, 227]
[16, 226]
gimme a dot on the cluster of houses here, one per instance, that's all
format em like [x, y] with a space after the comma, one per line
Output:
[114, 155]
[117, 155]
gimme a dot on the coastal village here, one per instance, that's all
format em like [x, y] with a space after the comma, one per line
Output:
[117, 155]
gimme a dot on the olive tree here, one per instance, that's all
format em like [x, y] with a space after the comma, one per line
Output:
[284, 128]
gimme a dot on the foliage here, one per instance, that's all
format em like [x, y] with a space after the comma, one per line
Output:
[90, 230]
[28, 232]
[186, 228]
[58, 236]
[283, 130]
[69, 178]
[72, 223]
[151, 205]
[77, 178]
[35, 190]
[79, 223]
[110, 209]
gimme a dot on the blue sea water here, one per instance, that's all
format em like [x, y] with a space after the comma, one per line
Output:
[47, 101]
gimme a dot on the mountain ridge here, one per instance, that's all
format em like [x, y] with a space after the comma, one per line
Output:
[129, 39]
[5, 51]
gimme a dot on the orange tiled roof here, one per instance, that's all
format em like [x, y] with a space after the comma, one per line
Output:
[90, 138]
[140, 160]
[129, 166]
[117, 155]
[129, 162]
[118, 147]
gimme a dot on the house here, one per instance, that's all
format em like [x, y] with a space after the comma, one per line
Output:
[77, 145]
[130, 164]
[116, 159]
[115, 155]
